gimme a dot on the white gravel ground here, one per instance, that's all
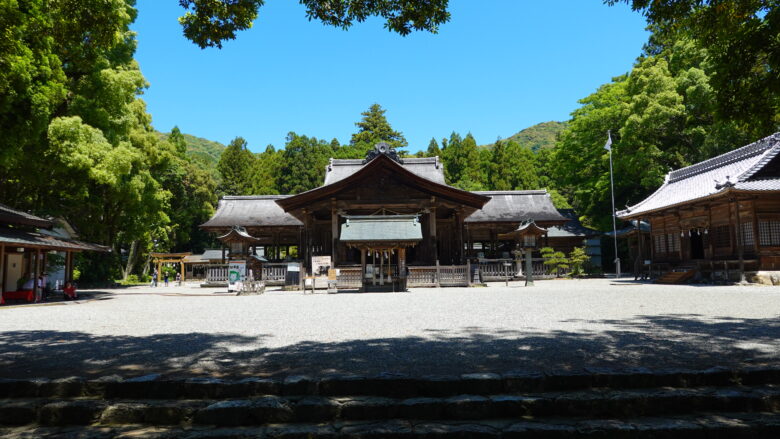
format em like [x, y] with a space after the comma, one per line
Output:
[556, 324]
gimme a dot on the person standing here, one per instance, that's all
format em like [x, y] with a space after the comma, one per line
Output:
[178, 279]
[154, 278]
[165, 278]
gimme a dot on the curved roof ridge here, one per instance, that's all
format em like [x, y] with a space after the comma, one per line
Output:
[769, 154]
[755, 148]
[514, 192]
[253, 197]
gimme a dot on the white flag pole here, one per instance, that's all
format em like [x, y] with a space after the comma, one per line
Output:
[608, 147]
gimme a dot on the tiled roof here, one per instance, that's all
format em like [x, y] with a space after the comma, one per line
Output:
[251, 210]
[736, 169]
[516, 206]
[14, 237]
[9, 215]
[573, 228]
[381, 228]
[428, 167]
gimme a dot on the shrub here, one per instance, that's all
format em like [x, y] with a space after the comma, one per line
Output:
[555, 260]
[578, 257]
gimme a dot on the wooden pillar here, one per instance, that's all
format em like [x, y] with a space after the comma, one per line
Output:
[362, 268]
[432, 232]
[3, 269]
[334, 234]
[740, 246]
[181, 267]
[223, 255]
[459, 239]
[493, 242]
[755, 230]
[37, 273]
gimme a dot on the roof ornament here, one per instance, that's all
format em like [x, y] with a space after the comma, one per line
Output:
[726, 184]
[382, 148]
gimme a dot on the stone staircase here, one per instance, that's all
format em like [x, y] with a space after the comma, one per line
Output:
[636, 403]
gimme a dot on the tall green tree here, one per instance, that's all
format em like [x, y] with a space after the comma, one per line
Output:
[512, 167]
[661, 118]
[373, 128]
[303, 163]
[235, 167]
[742, 49]
[266, 172]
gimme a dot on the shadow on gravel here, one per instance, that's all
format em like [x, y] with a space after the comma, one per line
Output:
[649, 341]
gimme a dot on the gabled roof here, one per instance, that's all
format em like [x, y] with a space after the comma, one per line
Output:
[750, 168]
[529, 228]
[572, 229]
[20, 238]
[372, 168]
[249, 211]
[381, 228]
[429, 168]
[517, 206]
[237, 234]
[12, 216]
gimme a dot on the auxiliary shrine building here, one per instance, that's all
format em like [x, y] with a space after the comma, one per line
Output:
[382, 211]
[718, 218]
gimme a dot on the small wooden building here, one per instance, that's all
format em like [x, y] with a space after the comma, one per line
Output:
[719, 217]
[25, 245]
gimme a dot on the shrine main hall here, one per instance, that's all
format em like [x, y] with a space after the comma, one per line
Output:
[383, 210]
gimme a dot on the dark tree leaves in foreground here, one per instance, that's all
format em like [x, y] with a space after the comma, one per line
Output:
[209, 23]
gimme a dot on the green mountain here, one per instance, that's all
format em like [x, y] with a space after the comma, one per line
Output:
[203, 151]
[536, 137]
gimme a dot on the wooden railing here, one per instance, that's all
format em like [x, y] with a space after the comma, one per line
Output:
[438, 275]
[349, 278]
[492, 270]
[217, 273]
[274, 273]
[422, 277]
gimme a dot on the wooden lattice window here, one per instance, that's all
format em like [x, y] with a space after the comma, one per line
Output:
[748, 240]
[769, 233]
[721, 236]
[660, 244]
[673, 242]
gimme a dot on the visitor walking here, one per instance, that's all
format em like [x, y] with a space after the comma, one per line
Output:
[178, 279]
[154, 278]
[165, 278]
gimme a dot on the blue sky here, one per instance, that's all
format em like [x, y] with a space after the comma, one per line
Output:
[498, 66]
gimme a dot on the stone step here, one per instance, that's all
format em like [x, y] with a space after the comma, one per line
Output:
[386, 385]
[721, 425]
[595, 403]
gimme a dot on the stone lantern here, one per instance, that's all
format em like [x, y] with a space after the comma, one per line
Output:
[527, 237]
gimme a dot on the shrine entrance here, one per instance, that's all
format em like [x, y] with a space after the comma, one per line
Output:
[382, 241]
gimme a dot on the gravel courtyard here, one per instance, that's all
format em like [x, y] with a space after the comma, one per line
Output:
[559, 324]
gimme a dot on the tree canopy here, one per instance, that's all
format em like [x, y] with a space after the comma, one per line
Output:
[209, 23]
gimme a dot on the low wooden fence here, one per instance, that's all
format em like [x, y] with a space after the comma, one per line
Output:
[217, 273]
[349, 278]
[492, 270]
[438, 276]
[274, 273]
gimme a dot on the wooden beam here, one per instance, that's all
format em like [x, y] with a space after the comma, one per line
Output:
[3, 268]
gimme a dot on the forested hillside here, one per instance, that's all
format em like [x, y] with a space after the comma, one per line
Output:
[203, 151]
[540, 136]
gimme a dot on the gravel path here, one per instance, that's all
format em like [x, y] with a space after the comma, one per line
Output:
[185, 331]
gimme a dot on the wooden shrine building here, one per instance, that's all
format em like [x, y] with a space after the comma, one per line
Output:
[384, 210]
[719, 217]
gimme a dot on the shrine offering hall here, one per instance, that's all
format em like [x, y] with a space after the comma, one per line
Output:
[383, 214]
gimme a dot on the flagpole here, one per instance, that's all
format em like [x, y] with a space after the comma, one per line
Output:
[612, 188]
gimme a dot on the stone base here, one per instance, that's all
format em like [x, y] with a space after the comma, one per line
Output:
[764, 277]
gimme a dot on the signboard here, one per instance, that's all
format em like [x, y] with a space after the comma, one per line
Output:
[236, 271]
[320, 266]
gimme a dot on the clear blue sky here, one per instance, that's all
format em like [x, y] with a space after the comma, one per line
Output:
[498, 66]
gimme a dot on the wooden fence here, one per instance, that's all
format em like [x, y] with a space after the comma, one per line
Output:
[274, 273]
[349, 278]
[217, 273]
[492, 270]
[438, 276]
